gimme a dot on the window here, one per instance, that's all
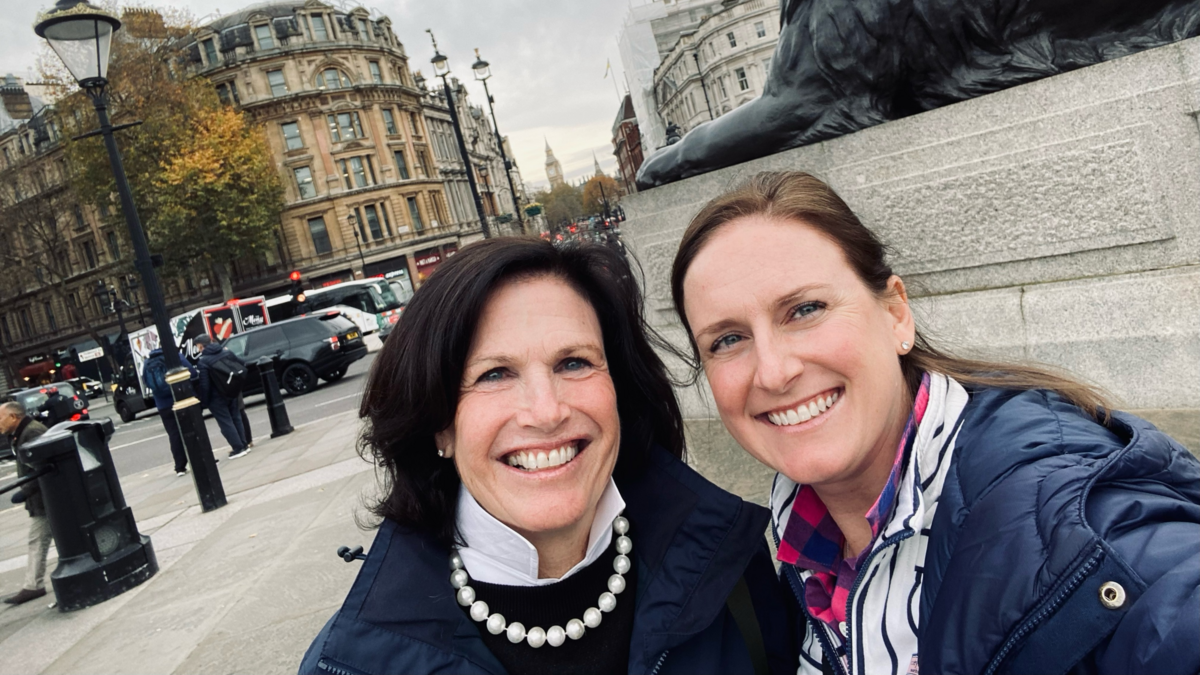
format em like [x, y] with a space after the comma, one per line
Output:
[319, 31]
[89, 254]
[721, 82]
[415, 214]
[291, 135]
[278, 84]
[743, 83]
[376, 74]
[387, 222]
[344, 126]
[389, 122]
[114, 249]
[26, 323]
[320, 237]
[228, 93]
[263, 33]
[210, 51]
[7, 332]
[423, 158]
[760, 29]
[401, 165]
[50, 316]
[360, 169]
[265, 341]
[363, 33]
[373, 221]
[332, 78]
[766, 68]
[732, 39]
[412, 122]
[80, 223]
[306, 331]
[304, 182]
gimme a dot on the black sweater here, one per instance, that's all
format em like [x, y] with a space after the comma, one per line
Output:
[603, 649]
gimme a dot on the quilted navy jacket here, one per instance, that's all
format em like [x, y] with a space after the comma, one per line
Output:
[1041, 507]
[692, 542]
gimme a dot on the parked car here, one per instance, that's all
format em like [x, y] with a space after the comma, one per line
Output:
[75, 409]
[320, 345]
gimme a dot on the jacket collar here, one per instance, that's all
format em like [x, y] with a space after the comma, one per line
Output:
[21, 426]
[692, 543]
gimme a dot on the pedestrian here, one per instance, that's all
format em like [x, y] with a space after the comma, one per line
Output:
[154, 372]
[245, 421]
[56, 408]
[933, 514]
[22, 430]
[222, 375]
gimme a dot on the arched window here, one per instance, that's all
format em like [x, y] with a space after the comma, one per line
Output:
[332, 78]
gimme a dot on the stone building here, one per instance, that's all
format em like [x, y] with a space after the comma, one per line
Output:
[499, 204]
[627, 145]
[344, 120]
[554, 172]
[719, 65]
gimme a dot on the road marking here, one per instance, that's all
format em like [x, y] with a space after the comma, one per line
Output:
[335, 400]
[126, 445]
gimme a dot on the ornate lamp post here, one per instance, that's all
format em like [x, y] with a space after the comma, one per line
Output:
[441, 68]
[81, 35]
[482, 72]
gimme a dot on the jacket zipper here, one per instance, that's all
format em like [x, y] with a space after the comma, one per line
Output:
[658, 666]
[858, 580]
[327, 666]
[789, 572]
[1067, 589]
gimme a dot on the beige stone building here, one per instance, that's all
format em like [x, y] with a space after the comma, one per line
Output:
[343, 117]
[719, 65]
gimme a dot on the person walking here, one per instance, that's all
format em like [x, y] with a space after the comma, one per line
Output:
[154, 372]
[222, 375]
[22, 430]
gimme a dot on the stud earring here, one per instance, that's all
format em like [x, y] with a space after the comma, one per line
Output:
[441, 452]
[904, 345]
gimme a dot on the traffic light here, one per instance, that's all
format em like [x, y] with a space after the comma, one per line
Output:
[297, 291]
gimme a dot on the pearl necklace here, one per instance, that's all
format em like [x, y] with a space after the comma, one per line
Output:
[555, 635]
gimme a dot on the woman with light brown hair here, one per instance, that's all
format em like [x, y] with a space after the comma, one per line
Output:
[932, 514]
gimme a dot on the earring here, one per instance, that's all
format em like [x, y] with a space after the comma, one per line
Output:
[441, 453]
[904, 346]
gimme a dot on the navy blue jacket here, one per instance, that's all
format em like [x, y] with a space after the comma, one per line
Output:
[692, 542]
[213, 351]
[1041, 507]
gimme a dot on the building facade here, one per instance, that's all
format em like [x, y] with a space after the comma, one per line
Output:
[499, 203]
[627, 145]
[720, 65]
[343, 116]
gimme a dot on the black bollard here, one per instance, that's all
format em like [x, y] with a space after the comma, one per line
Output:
[101, 554]
[207, 479]
[276, 410]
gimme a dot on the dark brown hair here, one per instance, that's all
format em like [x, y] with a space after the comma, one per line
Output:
[800, 197]
[413, 389]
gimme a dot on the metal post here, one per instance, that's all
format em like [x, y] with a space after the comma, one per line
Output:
[191, 424]
[504, 158]
[276, 410]
[604, 197]
[700, 74]
[358, 242]
[462, 149]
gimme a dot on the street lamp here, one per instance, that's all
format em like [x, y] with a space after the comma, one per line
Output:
[81, 34]
[353, 220]
[482, 72]
[441, 68]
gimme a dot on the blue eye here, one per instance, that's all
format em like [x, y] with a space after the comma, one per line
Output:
[806, 308]
[725, 341]
[494, 375]
[575, 365]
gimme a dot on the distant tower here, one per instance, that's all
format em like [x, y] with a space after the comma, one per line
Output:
[553, 169]
[596, 162]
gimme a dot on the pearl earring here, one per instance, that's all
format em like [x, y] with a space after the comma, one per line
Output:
[441, 452]
[904, 345]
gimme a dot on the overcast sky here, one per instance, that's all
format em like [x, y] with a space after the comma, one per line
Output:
[548, 61]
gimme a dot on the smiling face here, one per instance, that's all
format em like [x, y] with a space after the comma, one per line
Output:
[536, 431]
[801, 355]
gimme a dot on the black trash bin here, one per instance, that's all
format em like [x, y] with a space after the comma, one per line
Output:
[101, 554]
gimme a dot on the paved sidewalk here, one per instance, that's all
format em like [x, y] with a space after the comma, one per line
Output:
[242, 589]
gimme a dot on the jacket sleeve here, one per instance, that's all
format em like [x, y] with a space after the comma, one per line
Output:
[1153, 524]
[33, 432]
[202, 384]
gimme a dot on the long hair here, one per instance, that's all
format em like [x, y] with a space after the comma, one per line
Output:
[413, 388]
[799, 197]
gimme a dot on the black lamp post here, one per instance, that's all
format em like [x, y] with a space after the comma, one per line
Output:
[483, 71]
[441, 68]
[353, 219]
[700, 74]
[81, 34]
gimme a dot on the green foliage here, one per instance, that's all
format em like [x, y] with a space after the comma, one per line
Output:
[563, 204]
[593, 196]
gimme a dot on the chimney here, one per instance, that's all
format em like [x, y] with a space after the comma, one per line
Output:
[15, 99]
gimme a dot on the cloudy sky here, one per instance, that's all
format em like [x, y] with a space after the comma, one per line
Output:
[548, 60]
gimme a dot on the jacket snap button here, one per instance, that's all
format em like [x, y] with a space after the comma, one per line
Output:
[844, 629]
[1112, 595]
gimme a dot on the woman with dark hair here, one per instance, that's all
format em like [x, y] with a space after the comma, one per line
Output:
[933, 514]
[538, 517]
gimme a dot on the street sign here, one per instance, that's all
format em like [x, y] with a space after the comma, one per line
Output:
[91, 354]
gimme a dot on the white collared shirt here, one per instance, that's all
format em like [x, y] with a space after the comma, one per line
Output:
[496, 554]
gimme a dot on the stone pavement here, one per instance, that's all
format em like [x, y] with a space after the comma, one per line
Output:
[242, 589]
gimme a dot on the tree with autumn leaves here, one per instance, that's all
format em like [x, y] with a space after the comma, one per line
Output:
[202, 176]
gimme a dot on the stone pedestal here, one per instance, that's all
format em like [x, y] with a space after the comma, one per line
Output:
[1058, 221]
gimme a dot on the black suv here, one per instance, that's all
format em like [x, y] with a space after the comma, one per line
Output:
[321, 345]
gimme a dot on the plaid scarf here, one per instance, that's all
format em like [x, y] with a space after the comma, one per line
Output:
[813, 541]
